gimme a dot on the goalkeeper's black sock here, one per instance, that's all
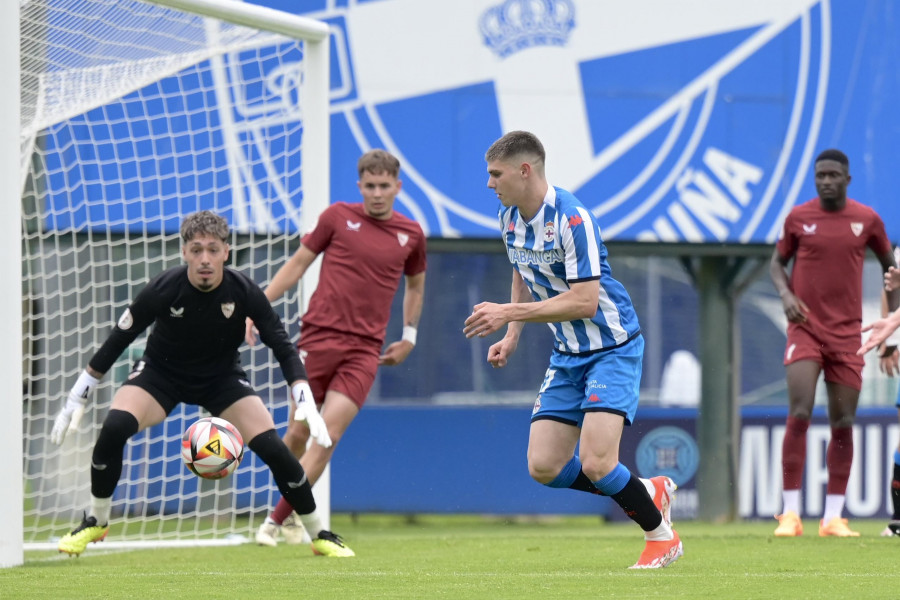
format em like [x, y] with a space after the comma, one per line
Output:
[286, 470]
[106, 460]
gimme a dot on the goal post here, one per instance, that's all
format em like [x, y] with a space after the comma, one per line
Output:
[11, 513]
[135, 113]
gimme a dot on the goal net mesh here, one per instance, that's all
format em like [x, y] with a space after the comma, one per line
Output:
[134, 115]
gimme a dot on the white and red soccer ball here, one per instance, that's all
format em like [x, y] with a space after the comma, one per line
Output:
[212, 448]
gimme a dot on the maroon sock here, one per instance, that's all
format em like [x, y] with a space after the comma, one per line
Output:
[793, 453]
[839, 458]
[282, 511]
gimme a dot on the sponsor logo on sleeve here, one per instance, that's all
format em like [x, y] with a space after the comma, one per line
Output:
[126, 320]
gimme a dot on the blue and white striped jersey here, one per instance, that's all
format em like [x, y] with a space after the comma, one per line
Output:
[561, 245]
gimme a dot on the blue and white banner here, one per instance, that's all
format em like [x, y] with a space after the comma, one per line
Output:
[672, 120]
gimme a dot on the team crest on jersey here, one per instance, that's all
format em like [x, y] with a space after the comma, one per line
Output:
[856, 228]
[549, 231]
[228, 309]
[126, 320]
[402, 238]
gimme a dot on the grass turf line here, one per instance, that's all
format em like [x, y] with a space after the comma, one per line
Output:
[473, 557]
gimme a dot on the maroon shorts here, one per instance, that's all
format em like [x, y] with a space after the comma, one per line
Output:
[341, 364]
[840, 363]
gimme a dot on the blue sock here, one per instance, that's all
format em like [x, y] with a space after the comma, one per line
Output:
[568, 475]
[629, 492]
[897, 457]
[614, 481]
[573, 477]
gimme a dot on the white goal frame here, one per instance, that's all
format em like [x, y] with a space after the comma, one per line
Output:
[316, 197]
[11, 471]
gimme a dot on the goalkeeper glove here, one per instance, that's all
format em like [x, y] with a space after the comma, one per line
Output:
[305, 410]
[68, 418]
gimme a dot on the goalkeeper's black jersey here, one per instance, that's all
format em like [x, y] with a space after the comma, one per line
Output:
[196, 334]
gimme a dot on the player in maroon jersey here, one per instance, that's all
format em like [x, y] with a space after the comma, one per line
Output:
[367, 249]
[827, 239]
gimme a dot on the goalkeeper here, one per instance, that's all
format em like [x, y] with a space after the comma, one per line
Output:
[198, 311]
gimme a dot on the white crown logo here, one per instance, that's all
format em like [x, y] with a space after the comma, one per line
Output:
[519, 24]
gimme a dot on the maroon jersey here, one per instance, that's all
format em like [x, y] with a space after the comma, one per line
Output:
[828, 249]
[363, 263]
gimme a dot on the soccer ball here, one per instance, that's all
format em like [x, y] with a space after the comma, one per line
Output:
[212, 448]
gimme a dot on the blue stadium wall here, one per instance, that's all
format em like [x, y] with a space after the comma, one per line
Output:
[466, 459]
[428, 459]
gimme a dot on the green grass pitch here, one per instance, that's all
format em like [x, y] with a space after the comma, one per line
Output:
[463, 557]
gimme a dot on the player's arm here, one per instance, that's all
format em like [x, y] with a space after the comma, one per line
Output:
[273, 335]
[892, 279]
[290, 273]
[794, 308]
[499, 353]
[889, 361]
[518, 294]
[890, 299]
[131, 324]
[893, 295]
[413, 300]
[580, 301]
[881, 330]
[287, 277]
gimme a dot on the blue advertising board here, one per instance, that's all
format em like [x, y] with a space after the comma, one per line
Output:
[472, 459]
[672, 120]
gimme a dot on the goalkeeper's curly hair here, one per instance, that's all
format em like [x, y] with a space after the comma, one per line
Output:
[204, 222]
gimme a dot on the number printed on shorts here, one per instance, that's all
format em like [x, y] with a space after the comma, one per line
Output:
[548, 378]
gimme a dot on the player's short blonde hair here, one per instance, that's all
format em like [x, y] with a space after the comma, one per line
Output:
[378, 161]
[517, 144]
[204, 222]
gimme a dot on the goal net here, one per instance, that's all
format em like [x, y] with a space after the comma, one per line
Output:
[133, 115]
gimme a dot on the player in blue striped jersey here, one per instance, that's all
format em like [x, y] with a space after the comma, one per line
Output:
[590, 390]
